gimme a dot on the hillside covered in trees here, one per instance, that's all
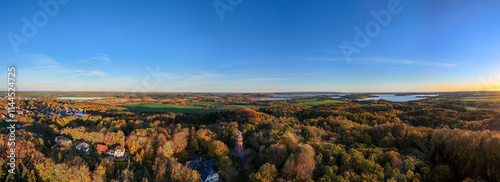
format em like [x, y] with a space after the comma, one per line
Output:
[440, 139]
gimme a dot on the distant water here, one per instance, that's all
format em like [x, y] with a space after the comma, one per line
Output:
[301, 95]
[399, 98]
[338, 97]
[288, 96]
[388, 97]
[275, 99]
[80, 98]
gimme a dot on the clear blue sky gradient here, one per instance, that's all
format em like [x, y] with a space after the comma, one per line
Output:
[259, 46]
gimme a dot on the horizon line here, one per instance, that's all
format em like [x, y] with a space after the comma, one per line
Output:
[266, 92]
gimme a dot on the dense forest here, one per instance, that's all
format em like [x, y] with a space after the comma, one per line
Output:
[441, 139]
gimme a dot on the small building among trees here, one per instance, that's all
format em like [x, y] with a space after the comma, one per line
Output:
[207, 169]
[101, 148]
[63, 141]
[83, 147]
[119, 151]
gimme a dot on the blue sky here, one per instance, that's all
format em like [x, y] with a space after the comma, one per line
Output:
[258, 46]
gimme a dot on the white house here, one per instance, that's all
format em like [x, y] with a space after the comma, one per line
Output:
[119, 151]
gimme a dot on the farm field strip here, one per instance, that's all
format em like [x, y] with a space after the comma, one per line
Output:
[157, 107]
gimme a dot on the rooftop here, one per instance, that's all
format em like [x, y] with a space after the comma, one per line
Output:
[205, 168]
[101, 148]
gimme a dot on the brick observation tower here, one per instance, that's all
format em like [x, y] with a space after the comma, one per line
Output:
[238, 148]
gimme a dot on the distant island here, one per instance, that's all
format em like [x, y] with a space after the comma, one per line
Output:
[358, 96]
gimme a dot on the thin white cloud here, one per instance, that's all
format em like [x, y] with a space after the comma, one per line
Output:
[382, 60]
[44, 62]
[90, 73]
[97, 60]
[44, 66]
[413, 62]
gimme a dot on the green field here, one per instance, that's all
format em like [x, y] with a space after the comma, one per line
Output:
[157, 107]
[205, 103]
[482, 99]
[472, 108]
[317, 102]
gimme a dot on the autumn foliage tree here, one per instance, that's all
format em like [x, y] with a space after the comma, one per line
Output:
[217, 149]
[266, 173]
[300, 165]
